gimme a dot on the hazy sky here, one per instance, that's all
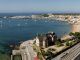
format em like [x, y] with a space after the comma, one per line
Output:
[39, 6]
[13, 6]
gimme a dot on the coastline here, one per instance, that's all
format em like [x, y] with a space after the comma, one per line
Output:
[76, 27]
[26, 44]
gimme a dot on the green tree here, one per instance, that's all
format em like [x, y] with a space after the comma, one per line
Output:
[77, 36]
[77, 33]
[45, 15]
[71, 43]
[67, 43]
[58, 43]
[50, 55]
[71, 33]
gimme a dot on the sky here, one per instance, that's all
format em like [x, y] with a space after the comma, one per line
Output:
[13, 6]
[29, 6]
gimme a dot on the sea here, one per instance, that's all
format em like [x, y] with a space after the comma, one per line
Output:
[13, 31]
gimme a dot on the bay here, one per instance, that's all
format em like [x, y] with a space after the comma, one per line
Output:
[12, 31]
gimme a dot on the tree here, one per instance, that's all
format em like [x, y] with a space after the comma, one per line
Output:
[58, 43]
[43, 52]
[45, 15]
[59, 40]
[40, 55]
[71, 43]
[77, 35]
[50, 55]
[71, 33]
[67, 43]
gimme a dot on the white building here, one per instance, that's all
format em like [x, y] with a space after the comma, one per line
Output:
[37, 16]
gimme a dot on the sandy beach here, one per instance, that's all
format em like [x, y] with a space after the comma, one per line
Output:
[76, 27]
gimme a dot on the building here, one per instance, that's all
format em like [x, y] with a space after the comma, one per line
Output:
[51, 38]
[37, 16]
[41, 41]
[46, 40]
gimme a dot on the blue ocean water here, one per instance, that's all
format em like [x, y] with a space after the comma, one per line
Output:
[12, 31]
[18, 14]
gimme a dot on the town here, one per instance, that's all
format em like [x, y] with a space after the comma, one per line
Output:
[46, 47]
[71, 18]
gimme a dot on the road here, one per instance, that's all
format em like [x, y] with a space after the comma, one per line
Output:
[28, 53]
[69, 54]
